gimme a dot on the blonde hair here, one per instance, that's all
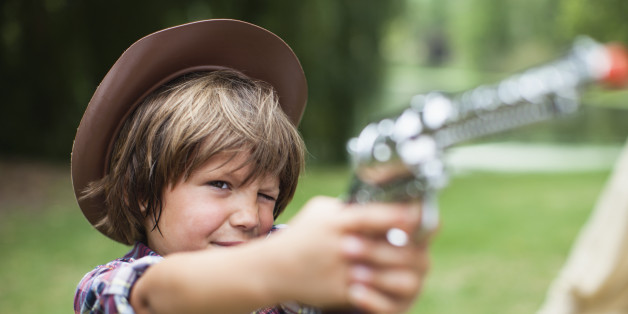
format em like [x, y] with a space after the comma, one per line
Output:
[179, 127]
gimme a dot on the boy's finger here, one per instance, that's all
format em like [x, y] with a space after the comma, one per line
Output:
[381, 254]
[379, 218]
[400, 283]
[373, 301]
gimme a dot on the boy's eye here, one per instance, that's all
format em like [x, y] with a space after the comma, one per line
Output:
[268, 197]
[219, 184]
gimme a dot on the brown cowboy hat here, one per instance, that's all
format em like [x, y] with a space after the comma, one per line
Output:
[162, 56]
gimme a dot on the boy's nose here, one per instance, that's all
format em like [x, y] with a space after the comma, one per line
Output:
[246, 215]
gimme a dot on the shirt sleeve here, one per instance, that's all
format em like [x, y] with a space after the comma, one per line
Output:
[106, 289]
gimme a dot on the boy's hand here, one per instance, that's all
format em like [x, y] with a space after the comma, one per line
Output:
[337, 255]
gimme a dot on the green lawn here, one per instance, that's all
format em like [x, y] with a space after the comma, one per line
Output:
[502, 240]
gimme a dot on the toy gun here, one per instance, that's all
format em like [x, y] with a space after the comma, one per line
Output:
[401, 158]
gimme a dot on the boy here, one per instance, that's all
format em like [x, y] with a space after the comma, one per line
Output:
[188, 150]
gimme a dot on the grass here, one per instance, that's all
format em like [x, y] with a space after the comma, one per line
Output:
[503, 239]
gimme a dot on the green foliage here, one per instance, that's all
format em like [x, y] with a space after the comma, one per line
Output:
[497, 35]
[604, 19]
[53, 55]
[486, 35]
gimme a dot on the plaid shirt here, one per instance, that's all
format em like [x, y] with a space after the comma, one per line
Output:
[106, 288]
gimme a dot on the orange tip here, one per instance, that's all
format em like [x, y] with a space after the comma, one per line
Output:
[617, 75]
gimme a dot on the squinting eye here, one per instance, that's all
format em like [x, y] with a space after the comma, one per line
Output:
[219, 184]
[268, 197]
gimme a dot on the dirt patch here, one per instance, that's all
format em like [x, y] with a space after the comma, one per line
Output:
[30, 184]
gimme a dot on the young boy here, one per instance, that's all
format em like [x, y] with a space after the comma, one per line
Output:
[188, 151]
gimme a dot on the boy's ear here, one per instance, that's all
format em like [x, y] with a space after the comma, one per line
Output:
[143, 206]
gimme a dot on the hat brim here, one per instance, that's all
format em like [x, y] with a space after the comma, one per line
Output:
[162, 56]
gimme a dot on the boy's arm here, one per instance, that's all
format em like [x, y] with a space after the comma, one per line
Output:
[106, 288]
[226, 280]
[330, 256]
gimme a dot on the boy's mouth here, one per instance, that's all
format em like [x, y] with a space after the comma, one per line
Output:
[227, 243]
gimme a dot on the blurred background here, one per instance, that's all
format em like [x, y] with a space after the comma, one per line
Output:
[498, 249]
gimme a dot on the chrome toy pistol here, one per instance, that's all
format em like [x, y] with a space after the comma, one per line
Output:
[401, 158]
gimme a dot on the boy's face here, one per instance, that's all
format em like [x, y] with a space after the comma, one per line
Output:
[214, 208]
